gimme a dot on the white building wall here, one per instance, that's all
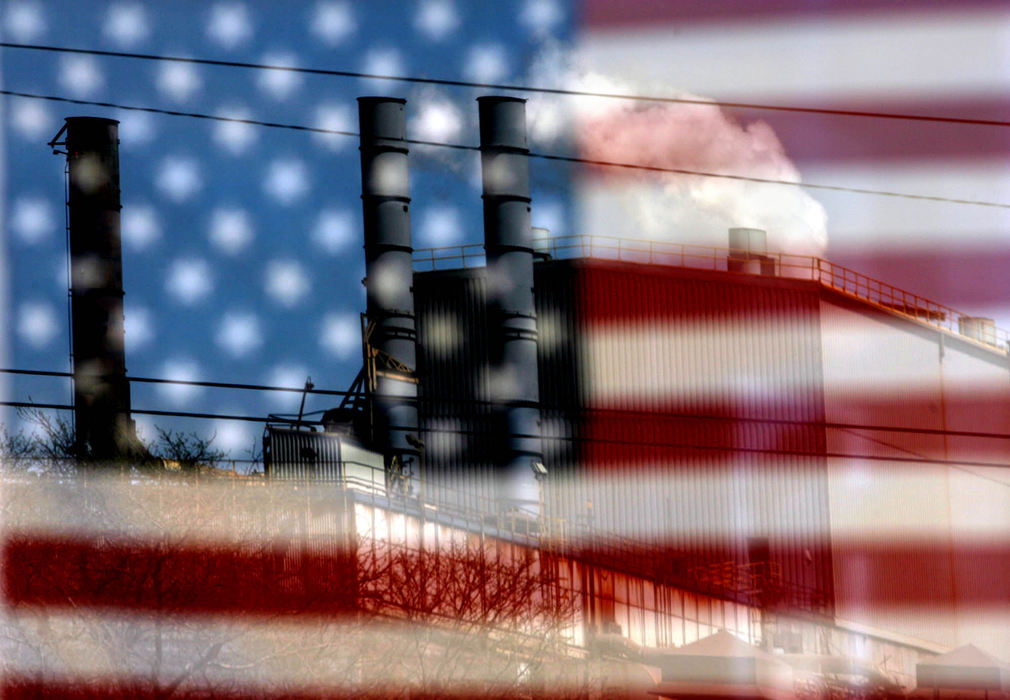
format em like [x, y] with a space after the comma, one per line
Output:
[913, 523]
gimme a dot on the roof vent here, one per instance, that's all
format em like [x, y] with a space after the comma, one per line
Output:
[541, 243]
[748, 252]
[978, 328]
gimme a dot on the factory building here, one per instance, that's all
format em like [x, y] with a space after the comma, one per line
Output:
[732, 419]
[695, 439]
[768, 429]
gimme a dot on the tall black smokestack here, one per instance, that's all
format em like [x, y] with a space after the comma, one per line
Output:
[508, 244]
[389, 271]
[101, 392]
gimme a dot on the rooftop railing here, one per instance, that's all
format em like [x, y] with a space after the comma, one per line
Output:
[831, 275]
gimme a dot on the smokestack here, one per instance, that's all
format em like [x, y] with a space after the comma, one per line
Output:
[508, 244]
[389, 279]
[103, 426]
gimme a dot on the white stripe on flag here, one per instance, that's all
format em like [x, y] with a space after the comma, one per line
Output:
[942, 53]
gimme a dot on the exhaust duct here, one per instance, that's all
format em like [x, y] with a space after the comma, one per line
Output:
[508, 244]
[390, 336]
[749, 252]
[103, 427]
[978, 328]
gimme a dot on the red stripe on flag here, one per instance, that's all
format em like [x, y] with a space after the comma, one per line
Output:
[901, 425]
[816, 139]
[808, 139]
[172, 577]
[877, 571]
[955, 273]
[613, 294]
[882, 571]
[18, 688]
[621, 293]
[603, 15]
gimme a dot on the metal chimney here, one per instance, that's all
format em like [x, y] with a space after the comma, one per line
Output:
[508, 244]
[390, 333]
[103, 426]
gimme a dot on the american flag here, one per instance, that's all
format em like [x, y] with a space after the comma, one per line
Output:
[242, 244]
[932, 58]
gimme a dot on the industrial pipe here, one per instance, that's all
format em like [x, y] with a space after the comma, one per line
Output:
[104, 430]
[390, 341]
[508, 244]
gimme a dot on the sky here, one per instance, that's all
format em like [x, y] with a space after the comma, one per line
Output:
[242, 244]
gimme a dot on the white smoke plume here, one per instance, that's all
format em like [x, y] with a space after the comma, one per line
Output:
[697, 137]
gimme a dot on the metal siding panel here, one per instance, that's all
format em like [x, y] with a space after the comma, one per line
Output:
[773, 374]
[452, 364]
[722, 311]
[299, 455]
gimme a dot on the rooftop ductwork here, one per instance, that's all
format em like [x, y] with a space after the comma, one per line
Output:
[103, 427]
[512, 324]
[978, 328]
[748, 252]
[390, 337]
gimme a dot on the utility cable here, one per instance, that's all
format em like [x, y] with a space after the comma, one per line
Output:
[149, 412]
[231, 385]
[446, 82]
[541, 156]
[189, 382]
[736, 449]
[767, 181]
[457, 402]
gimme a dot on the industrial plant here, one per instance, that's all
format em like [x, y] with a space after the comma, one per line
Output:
[730, 472]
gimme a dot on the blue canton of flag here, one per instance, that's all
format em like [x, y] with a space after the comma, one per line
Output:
[242, 244]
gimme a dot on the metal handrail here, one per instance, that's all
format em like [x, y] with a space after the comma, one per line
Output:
[429, 499]
[836, 277]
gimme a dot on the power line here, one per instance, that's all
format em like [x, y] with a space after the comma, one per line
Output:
[34, 404]
[512, 87]
[36, 372]
[210, 416]
[177, 113]
[442, 401]
[541, 156]
[769, 181]
[230, 385]
[187, 382]
[148, 412]
[596, 440]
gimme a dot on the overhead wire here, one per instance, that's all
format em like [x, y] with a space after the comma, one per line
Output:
[541, 156]
[187, 382]
[512, 87]
[456, 401]
[736, 449]
[767, 181]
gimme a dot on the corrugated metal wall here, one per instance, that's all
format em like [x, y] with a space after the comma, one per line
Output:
[452, 359]
[302, 455]
[703, 424]
[687, 402]
[456, 416]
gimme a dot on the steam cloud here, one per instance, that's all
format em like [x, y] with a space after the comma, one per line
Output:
[674, 207]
